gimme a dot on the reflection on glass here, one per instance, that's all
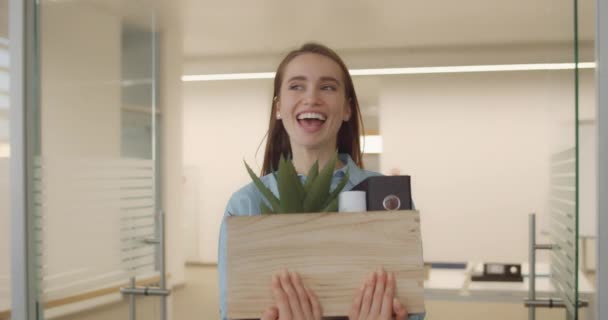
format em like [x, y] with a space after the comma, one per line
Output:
[5, 221]
[94, 175]
[478, 145]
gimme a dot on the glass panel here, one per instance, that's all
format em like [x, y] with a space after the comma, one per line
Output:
[563, 194]
[5, 191]
[95, 188]
[478, 145]
[564, 227]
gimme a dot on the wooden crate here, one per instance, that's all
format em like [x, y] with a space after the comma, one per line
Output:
[333, 252]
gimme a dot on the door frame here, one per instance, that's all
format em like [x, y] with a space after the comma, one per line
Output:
[23, 98]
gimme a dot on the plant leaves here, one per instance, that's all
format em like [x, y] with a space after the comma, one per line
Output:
[272, 199]
[319, 190]
[310, 178]
[264, 208]
[297, 183]
[274, 172]
[288, 184]
[332, 206]
[334, 194]
[313, 173]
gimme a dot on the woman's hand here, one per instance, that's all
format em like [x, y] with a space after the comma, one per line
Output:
[293, 301]
[376, 300]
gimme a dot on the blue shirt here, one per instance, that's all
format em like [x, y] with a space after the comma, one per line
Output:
[246, 202]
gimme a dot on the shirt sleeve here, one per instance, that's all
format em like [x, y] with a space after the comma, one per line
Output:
[416, 316]
[221, 263]
[242, 202]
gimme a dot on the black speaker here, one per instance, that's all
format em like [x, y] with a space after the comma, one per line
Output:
[387, 192]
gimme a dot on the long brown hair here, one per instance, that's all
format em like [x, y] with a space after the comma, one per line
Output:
[348, 135]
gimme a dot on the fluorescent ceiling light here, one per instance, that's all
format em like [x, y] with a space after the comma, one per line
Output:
[398, 71]
[371, 144]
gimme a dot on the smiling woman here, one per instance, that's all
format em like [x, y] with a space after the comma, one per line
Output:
[313, 83]
[312, 106]
[314, 111]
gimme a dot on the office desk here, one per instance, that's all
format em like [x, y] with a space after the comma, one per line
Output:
[456, 285]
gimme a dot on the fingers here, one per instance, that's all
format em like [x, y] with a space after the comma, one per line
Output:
[386, 310]
[293, 299]
[378, 292]
[272, 313]
[356, 306]
[399, 309]
[376, 298]
[317, 311]
[302, 295]
[368, 293]
[292, 295]
[280, 297]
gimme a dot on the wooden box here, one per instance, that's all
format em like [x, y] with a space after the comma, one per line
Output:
[333, 252]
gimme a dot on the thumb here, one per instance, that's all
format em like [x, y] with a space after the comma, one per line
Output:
[399, 309]
[272, 313]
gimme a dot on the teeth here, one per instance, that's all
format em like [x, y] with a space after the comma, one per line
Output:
[311, 115]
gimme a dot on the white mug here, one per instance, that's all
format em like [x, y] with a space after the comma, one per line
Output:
[352, 201]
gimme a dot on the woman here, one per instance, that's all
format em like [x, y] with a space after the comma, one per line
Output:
[314, 111]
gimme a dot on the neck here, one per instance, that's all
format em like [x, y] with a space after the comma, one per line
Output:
[304, 158]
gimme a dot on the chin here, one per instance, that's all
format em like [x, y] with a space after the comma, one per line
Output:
[312, 144]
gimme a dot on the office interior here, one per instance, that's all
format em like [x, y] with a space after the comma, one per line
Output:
[490, 107]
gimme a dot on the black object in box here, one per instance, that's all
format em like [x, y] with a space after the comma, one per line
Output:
[502, 272]
[387, 193]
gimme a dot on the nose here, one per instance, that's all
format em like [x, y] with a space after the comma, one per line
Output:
[312, 97]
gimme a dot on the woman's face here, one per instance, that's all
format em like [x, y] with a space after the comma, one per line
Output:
[312, 102]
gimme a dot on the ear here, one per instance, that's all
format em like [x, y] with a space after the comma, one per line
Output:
[277, 107]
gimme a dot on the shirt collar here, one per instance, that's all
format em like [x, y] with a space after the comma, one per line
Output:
[355, 174]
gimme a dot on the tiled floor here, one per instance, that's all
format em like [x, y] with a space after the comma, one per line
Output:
[199, 299]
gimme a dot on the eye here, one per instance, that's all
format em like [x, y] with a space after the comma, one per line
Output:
[296, 87]
[329, 88]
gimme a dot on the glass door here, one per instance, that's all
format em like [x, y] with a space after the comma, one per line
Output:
[5, 191]
[94, 188]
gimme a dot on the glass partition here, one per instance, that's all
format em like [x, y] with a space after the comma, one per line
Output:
[5, 191]
[564, 187]
[477, 103]
[95, 171]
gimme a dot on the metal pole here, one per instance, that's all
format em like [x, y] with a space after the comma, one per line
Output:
[21, 292]
[132, 301]
[532, 265]
[145, 291]
[601, 74]
[163, 280]
[23, 100]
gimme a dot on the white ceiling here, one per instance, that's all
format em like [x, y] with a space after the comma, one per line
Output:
[253, 27]
[240, 27]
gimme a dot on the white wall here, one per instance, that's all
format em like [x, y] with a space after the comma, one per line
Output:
[224, 122]
[171, 148]
[80, 81]
[476, 145]
[80, 128]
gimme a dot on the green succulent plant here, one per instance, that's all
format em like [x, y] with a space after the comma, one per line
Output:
[294, 197]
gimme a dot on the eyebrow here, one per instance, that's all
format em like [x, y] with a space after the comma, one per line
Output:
[325, 78]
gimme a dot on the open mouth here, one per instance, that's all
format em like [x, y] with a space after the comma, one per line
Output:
[311, 121]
